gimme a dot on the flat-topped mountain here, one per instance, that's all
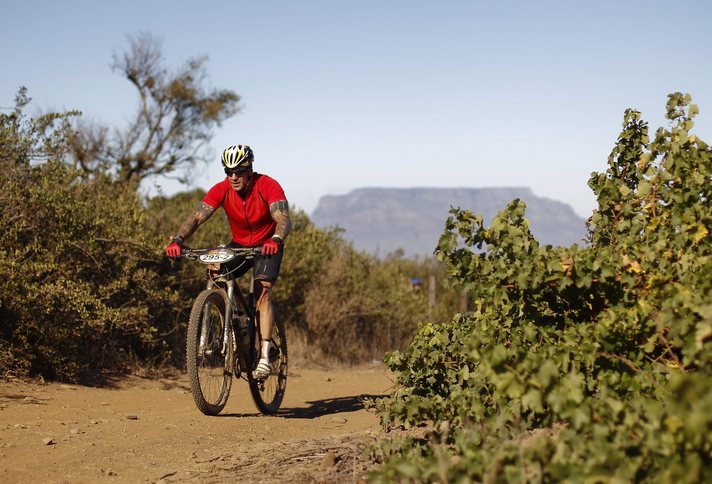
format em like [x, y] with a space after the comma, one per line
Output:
[381, 220]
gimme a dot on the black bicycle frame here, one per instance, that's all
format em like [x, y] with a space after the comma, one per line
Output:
[240, 323]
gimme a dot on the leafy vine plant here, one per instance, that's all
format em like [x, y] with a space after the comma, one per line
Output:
[587, 362]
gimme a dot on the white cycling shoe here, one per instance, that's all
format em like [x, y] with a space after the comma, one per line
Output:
[264, 369]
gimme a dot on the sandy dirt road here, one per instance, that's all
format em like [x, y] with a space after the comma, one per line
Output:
[148, 430]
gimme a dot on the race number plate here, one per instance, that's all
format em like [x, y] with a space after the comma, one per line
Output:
[217, 256]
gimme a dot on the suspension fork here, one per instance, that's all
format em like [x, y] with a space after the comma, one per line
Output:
[254, 332]
[227, 317]
[204, 326]
[228, 313]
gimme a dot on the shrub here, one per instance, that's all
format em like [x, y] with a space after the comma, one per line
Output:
[80, 284]
[581, 363]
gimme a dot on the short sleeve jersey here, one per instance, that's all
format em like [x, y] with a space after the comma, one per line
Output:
[250, 220]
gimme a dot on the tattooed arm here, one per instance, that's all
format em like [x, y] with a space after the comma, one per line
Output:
[191, 224]
[280, 214]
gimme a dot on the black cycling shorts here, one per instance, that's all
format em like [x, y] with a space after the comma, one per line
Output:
[266, 266]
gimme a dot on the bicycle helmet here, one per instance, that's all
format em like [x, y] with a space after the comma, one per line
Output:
[237, 158]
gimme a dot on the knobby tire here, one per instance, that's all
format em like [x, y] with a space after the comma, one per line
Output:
[268, 394]
[210, 367]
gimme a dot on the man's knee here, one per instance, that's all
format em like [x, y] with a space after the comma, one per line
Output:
[265, 292]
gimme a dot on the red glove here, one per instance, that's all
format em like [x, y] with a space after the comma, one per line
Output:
[174, 249]
[271, 247]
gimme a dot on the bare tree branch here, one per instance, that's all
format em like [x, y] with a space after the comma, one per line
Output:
[174, 122]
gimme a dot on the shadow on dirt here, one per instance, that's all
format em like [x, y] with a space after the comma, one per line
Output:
[169, 378]
[24, 399]
[328, 406]
[174, 385]
[317, 408]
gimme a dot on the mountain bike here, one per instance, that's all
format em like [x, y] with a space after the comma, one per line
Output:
[224, 337]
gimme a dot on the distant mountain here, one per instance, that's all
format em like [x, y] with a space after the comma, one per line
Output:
[381, 220]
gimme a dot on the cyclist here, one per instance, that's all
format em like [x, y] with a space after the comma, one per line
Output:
[258, 213]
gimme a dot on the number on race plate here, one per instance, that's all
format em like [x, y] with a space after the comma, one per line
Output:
[217, 256]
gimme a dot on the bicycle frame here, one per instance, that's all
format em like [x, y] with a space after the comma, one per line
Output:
[237, 302]
[215, 354]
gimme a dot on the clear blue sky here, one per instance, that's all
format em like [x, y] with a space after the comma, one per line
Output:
[342, 95]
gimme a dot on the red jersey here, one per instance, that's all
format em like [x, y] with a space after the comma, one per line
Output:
[250, 220]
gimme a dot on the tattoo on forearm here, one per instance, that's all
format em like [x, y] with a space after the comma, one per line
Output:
[280, 214]
[201, 214]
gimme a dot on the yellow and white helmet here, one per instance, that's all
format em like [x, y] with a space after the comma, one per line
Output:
[237, 158]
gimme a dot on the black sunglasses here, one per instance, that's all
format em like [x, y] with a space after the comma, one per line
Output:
[229, 172]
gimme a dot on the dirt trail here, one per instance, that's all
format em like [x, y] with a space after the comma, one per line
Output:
[148, 430]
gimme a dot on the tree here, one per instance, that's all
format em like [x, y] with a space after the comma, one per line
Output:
[174, 121]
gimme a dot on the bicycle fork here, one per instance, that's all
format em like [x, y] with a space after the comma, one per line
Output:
[204, 329]
[228, 314]
[204, 332]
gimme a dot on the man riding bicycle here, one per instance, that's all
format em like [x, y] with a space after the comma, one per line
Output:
[258, 213]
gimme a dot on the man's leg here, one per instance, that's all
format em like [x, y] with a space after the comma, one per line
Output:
[266, 273]
[264, 307]
[265, 314]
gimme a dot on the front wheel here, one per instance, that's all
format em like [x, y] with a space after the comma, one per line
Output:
[268, 393]
[209, 352]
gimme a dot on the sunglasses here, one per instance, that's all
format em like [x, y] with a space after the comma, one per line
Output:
[229, 173]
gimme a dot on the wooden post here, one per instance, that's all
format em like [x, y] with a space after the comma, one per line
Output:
[463, 302]
[431, 296]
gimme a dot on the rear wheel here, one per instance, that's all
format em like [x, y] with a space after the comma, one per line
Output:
[209, 352]
[268, 393]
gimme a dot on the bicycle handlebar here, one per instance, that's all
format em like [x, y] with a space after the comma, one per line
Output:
[219, 254]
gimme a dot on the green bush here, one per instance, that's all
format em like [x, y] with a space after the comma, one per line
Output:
[80, 284]
[80, 279]
[579, 363]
